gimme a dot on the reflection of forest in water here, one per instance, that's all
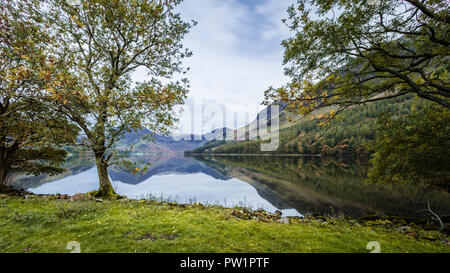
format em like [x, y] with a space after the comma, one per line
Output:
[319, 185]
[326, 185]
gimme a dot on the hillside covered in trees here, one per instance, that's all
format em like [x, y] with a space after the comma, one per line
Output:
[348, 135]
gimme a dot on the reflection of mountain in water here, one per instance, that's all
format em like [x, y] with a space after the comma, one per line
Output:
[158, 165]
[309, 185]
[266, 193]
[170, 165]
[327, 186]
[185, 165]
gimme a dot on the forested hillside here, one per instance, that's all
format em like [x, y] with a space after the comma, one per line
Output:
[349, 134]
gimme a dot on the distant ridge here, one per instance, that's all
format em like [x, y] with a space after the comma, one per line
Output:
[160, 144]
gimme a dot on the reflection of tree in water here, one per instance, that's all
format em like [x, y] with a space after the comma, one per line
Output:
[319, 184]
[74, 164]
[326, 185]
[157, 165]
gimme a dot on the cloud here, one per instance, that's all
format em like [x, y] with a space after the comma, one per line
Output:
[237, 51]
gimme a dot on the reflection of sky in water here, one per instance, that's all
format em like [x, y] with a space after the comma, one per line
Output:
[181, 188]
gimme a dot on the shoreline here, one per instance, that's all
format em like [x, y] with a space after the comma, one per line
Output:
[280, 155]
[47, 224]
[246, 213]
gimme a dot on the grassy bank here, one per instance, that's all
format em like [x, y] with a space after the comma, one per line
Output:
[47, 224]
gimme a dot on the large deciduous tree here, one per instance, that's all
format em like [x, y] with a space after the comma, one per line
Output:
[28, 130]
[105, 42]
[347, 52]
[415, 147]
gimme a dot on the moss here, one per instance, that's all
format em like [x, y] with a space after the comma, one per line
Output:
[38, 225]
[107, 194]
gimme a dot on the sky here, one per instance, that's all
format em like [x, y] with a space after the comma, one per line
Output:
[237, 56]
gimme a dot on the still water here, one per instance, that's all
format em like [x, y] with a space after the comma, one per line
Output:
[293, 185]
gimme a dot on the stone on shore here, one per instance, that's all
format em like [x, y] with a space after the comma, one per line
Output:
[78, 197]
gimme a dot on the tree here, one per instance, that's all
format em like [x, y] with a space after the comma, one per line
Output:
[415, 147]
[28, 130]
[347, 52]
[105, 42]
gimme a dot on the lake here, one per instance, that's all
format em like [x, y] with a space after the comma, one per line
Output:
[293, 185]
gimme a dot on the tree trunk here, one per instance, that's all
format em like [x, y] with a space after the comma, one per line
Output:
[3, 167]
[3, 174]
[105, 187]
[4, 171]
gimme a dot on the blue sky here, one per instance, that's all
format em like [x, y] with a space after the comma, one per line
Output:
[237, 54]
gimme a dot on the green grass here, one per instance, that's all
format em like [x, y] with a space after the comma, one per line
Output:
[44, 225]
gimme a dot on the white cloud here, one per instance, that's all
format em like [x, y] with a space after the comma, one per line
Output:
[237, 51]
[274, 11]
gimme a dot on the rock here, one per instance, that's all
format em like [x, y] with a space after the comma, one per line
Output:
[99, 200]
[197, 204]
[260, 218]
[284, 220]
[77, 197]
[63, 196]
[404, 229]
[28, 196]
[248, 210]
[261, 211]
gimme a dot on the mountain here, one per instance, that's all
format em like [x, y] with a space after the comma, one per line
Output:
[346, 136]
[258, 127]
[159, 144]
[252, 128]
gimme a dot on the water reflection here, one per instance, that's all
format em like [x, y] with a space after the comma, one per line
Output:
[292, 184]
[328, 186]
